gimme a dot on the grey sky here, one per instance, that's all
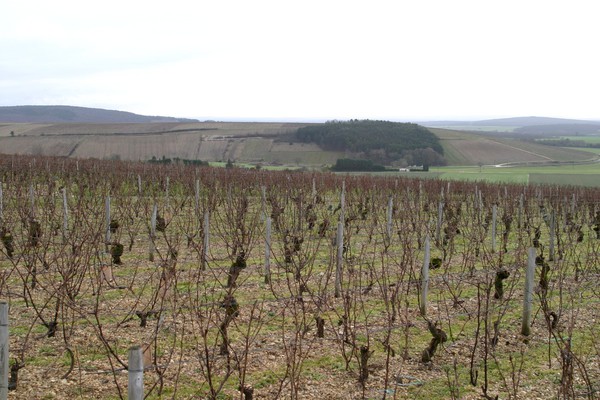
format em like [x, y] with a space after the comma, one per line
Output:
[305, 59]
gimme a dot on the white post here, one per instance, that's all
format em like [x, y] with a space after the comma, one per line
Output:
[32, 200]
[339, 259]
[564, 212]
[425, 277]
[390, 211]
[528, 293]
[107, 212]
[204, 260]
[152, 233]
[65, 213]
[1, 203]
[4, 369]
[167, 193]
[552, 229]
[153, 220]
[135, 389]
[263, 194]
[438, 226]
[268, 251]
[197, 197]
[494, 216]
[343, 202]
[139, 185]
[197, 204]
[520, 214]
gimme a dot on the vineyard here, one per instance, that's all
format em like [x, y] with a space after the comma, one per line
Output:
[255, 284]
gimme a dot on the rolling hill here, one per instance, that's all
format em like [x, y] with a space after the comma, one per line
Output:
[515, 122]
[523, 126]
[71, 114]
[251, 142]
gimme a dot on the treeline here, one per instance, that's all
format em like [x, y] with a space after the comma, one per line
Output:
[177, 160]
[380, 141]
[348, 165]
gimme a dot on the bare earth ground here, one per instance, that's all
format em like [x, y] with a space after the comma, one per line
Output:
[324, 374]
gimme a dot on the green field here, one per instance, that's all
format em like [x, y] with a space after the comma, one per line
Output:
[584, 175]
[587, 139]
[588, 149]
[580, 175]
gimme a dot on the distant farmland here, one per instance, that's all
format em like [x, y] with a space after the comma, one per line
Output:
[464, 148]
[208, 141]
[273, 144]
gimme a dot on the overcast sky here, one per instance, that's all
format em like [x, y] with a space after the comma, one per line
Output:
[299, 60]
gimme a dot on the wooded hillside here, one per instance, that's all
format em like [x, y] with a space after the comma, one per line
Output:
[381, 141]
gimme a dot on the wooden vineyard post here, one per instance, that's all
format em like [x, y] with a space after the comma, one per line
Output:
[204, 257]
[520, 213]
[139, 182]
[65, 214]
[552, 233]
[107, 213]
[107, 216]
[167, 194]
[438, 226]
[1, 203]
[390, 212]
[263, 194]
[314, 191]
[32, 200]
[343, 202]
[494, 217]
[339, 259]
[135, 388]
[4, 369]
[528, 294]
[197, 197]
[152, 233]
[197, 205]
[425, 277]
[564, 208]
[300, 215]
[268, 251]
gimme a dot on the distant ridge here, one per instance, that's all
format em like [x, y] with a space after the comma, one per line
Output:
[512, 122]
[532, 121]
[72, 114]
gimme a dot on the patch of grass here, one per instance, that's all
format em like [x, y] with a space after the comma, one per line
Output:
[264, 379]
[582, 138]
